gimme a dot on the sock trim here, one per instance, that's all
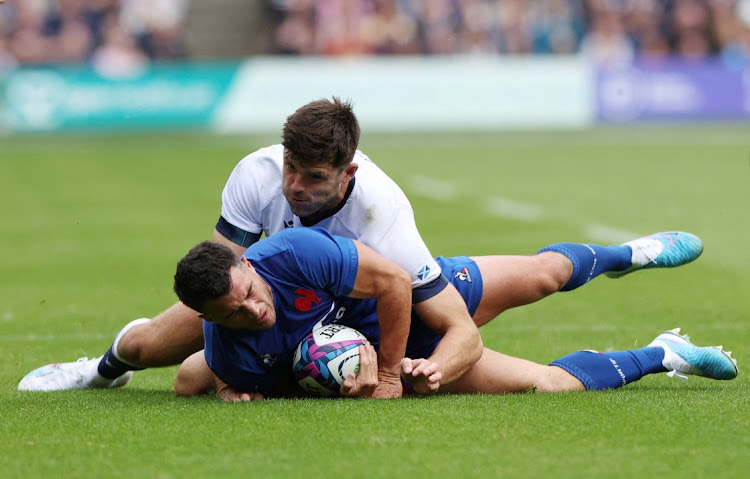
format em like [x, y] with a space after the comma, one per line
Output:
[119, 336]
[556, 248]
[578, 373]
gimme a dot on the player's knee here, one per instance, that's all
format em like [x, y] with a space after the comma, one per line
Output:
[134, 345]
[194, 378]
[556, 380]
[554, 272]
[184, 386]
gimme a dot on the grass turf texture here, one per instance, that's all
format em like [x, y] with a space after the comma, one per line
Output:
[93, 226]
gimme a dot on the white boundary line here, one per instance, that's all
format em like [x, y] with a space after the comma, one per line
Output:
[444, 191]
[434, 189]
[506, 208]
[14, 338]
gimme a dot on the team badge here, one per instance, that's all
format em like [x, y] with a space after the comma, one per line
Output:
[463, 275]
[424, 272]
[269, 359]
[306, 301]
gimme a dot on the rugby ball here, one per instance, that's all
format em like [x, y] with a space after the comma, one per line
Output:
[325, 357]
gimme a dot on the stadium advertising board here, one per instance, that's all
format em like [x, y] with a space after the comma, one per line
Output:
[389, 94]
[416, 93]
[674, 90]
[163, 96]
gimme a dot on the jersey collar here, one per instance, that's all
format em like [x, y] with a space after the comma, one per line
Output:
[315, 220]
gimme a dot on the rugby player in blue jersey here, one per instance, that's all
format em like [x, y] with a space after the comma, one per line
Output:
[253, 321]
[317, 177]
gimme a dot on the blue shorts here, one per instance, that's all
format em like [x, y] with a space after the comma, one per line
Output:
[463, 273]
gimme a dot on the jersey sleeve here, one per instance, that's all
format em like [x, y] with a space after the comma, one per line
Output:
[400, 242]
[241, 203]
[236, 235]
[382, 218]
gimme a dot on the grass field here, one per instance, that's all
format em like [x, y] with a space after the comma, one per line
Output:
[93, 226]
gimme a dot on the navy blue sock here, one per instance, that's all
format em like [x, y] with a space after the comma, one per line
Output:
[599, 371]
[110, 367]
[591, 260]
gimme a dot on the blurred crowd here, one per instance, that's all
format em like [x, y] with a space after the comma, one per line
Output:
[116, 36]
[609, 31]
[123, 35]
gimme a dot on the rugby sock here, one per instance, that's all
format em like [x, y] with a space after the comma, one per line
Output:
[111, 366]
[591, 260]
[598, 371]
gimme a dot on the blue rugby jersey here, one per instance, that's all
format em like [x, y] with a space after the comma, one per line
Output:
[310, 272]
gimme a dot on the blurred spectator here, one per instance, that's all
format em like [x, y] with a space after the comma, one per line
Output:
[610, 31]
[438, 22]
[607, 42]
[645, 23]
[478, 31]
[118, 55]
[156, 26]
[391, 30]
[691, 25]
[39, 32]
[339, 27]
[558, 27]
[295, 34]
[7, 60]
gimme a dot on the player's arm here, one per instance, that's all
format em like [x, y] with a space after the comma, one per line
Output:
[390, 285]
[438, 303]
[461, 345]
[219, 238]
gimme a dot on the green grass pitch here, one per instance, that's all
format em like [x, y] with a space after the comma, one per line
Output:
[93, 227]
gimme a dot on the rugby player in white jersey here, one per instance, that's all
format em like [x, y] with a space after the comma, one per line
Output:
[318, 177]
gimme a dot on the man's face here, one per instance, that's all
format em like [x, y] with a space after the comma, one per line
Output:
[316, 189]
[248, 304]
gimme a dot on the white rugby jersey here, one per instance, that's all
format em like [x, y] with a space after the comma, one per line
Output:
[377, 212]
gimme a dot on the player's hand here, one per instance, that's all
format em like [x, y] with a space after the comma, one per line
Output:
[422, 374]
[365, 382]
[228, 394]
[389, 386]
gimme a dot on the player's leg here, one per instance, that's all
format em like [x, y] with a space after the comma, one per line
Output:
[659, 250]
[497, 373]
[670, 351]
[194, 377]
[490, 285]
[167, 339]
[512, 281]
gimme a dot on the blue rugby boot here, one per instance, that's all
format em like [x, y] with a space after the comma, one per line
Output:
[681, 357]
[661, 250]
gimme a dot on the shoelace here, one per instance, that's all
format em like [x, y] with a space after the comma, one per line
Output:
[645, 249]
[674, 373]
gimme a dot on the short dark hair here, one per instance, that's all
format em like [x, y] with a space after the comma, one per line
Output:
[203, 274]
[322, 132]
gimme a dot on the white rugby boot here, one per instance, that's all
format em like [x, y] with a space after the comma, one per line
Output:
[81, 374]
